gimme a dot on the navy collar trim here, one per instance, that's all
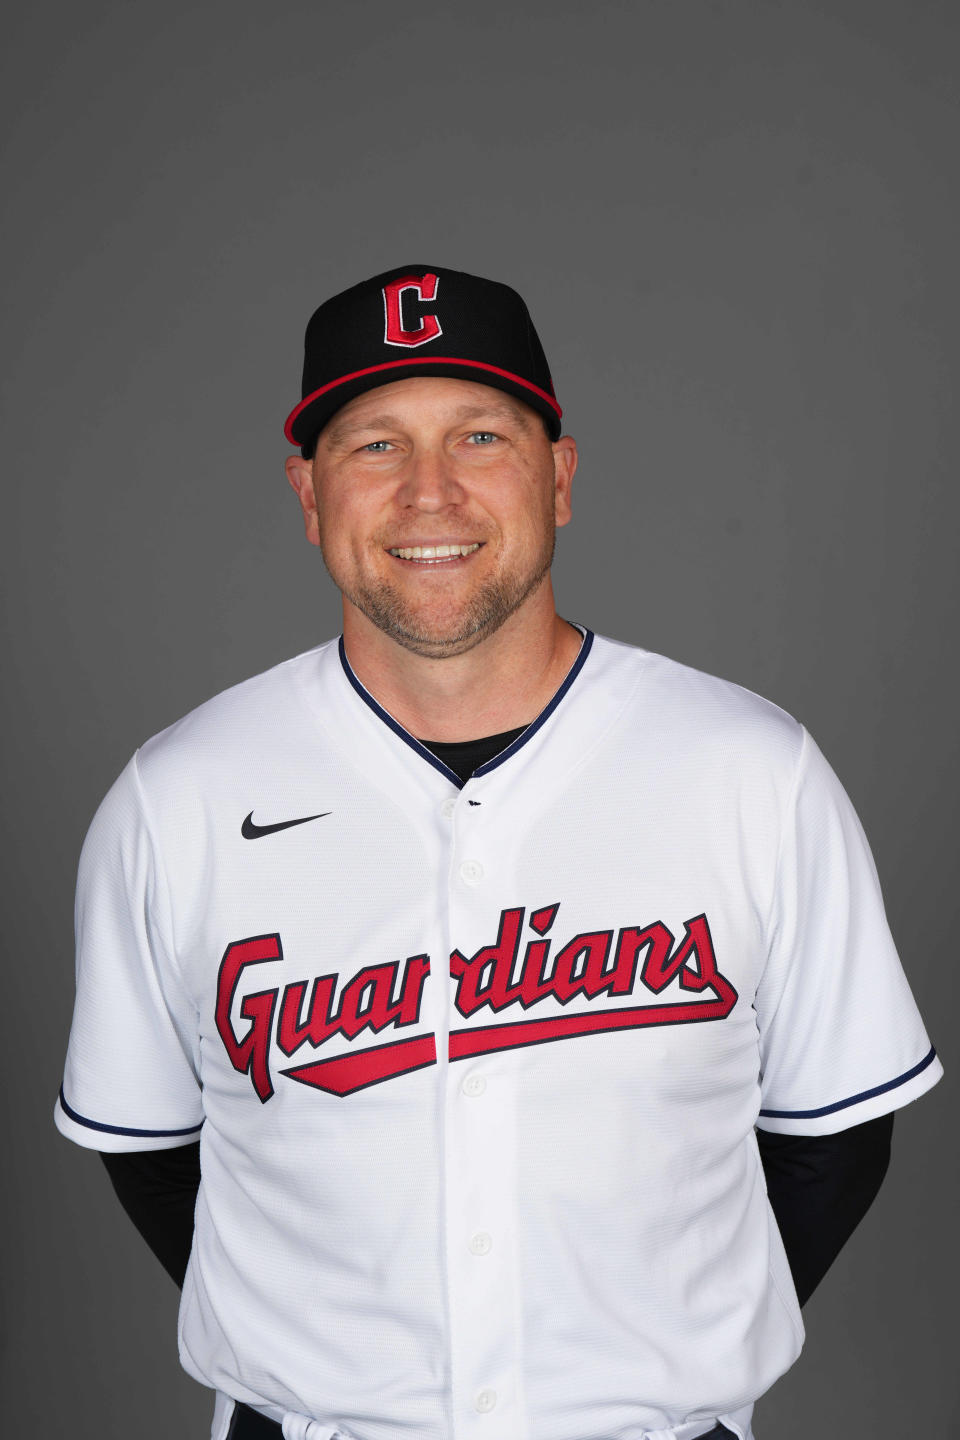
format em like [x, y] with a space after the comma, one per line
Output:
[504, 755]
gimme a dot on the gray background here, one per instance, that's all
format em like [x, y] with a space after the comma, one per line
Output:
[736, 225]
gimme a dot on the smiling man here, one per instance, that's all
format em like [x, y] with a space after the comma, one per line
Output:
[494, 1028]
[434, 502]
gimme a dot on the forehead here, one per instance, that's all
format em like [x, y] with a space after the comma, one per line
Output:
[428, 398]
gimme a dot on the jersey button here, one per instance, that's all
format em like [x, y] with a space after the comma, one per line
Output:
[481, 1243]
[473, 1085]
[447, 809]
[484, 1401]
[471, 872]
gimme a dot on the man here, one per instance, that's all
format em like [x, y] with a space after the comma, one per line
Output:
[473, 948]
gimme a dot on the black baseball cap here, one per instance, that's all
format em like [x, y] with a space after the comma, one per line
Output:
[419, 320]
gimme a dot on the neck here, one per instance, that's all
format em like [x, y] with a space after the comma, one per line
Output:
[502, 683]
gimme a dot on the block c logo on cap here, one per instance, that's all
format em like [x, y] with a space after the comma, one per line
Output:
[394, 332]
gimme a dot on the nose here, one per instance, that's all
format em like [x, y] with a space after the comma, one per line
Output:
[431, 482]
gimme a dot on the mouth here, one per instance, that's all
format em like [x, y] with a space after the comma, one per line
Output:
[434, 554]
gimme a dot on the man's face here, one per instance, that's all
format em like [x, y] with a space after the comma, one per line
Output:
[434, 503]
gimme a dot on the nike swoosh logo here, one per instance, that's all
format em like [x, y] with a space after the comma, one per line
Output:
[250, 831]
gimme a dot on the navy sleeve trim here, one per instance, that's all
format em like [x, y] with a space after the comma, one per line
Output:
[120, 1129]
[854, 1099]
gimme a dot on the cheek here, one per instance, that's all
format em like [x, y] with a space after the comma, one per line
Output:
[539, 519]
[343, 522]
[352, 546]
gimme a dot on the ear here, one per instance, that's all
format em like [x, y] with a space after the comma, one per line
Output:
[564, 469]
[300, 474]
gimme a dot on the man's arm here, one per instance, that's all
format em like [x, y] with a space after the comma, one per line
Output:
[158, 1190]
[820, 1187]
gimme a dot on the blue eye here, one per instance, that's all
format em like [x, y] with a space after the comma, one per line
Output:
[483, 437]
[378, 446]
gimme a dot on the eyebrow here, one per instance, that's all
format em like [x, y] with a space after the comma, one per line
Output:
[339, 430]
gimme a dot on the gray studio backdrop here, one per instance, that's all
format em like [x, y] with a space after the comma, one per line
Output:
[736, 225]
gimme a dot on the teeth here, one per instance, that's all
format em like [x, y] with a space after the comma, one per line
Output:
[433, 552]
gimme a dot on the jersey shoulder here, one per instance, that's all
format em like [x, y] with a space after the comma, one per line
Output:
[260, 715]
[697, 711]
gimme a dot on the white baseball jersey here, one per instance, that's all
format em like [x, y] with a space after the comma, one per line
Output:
[475, 1068]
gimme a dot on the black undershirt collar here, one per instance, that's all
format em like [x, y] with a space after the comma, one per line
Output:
[465, 756]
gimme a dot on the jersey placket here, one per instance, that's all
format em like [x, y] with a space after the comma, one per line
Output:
[481, 1220]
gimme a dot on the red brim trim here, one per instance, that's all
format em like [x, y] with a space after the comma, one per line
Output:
[401, 364]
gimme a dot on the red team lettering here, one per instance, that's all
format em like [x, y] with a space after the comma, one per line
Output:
[589, 966]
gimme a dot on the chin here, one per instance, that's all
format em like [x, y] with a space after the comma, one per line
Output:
[436, 646]
[438, 636]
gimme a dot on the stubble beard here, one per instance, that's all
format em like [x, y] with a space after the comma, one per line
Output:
[481, 616]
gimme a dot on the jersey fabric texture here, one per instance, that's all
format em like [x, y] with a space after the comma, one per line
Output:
[478, 1065]
[819, 1188]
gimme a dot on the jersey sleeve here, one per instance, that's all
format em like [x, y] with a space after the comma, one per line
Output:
[131, 1075]
[841, 1038]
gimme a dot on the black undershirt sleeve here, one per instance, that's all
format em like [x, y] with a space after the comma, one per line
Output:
[819, 1188]
[158, 1190]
